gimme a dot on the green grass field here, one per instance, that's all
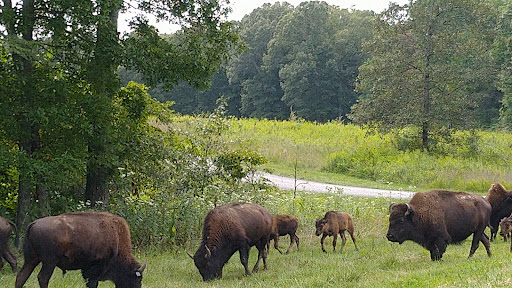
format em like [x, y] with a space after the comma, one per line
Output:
[378, 263]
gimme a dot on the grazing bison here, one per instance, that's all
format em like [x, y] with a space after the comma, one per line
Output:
[335, 222]
[501, 203]
[435, 219]
[230, 228]
[506, 228]
[284, 225]
[5, 252]
[97, 243]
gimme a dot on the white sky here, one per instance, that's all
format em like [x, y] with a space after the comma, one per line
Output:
[240, 8]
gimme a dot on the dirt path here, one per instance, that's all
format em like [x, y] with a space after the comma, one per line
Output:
[287, 183]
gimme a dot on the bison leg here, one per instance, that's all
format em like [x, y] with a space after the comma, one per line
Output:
[334, 241]
[262, 253]
[244, 258]
[26, 270]
[296, 241]
[343, 240]
[485, 240]
[9, 257]
[353, 239]
[292, 239]
[276, 244]
[45, 274]
[322, 242]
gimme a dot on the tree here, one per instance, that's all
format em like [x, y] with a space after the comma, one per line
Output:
[317, 52]
[261, 92]
[429, 67]
[68, 52]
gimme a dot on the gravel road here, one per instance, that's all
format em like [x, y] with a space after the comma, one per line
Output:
[287, 183]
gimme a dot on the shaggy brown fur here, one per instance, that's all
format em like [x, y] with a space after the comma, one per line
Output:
[501, 203]
[5, 251]
[335, 222]
[506, 228]
[230, 228]
[435, 219]
[284, 225]
[97, 243]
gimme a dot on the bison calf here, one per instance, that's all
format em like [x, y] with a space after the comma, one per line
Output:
[506, 228]
[335, 222]
[97, 243]
[284, 225]
[435, 219]
[5, 252]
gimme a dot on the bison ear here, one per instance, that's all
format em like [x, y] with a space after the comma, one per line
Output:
[409, 213]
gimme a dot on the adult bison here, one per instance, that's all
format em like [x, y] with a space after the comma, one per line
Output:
[97, 243]
[335, 222]
[435, 219]
[5, 252]
[230, 228]
[284, 225]
[501, 203]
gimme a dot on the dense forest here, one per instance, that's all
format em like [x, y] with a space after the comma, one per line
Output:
[428, 63]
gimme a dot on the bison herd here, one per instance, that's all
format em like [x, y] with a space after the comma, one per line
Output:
[99, 243]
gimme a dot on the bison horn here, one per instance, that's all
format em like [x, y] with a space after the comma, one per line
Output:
[409, 210]
[208, 252]
[391, 206]
[189, 255]
[141, 269]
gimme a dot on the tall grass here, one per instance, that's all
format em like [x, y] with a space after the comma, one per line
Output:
[378, 263]
[466, 160]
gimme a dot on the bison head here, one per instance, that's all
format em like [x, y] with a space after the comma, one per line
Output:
[400, 222]
[321, 226]
[208, 263]
[131, 277]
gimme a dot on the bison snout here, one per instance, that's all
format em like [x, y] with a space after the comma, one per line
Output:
[391, 237]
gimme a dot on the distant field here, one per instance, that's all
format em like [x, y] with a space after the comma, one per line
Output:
[378, 263]
[350, 155]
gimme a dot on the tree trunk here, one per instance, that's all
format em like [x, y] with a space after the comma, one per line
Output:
[102, 75]
[29, 138]
[427, 101]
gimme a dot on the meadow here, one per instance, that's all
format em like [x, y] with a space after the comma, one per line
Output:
[352, 155]
[378, 263]
[344, 154]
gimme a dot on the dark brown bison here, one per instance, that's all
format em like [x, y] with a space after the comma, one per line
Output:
[97, 243]
[335, 222]
[501, 203]
[230, 228]
[506, 228]
[5, 233]
[284, 225]
[435, 219]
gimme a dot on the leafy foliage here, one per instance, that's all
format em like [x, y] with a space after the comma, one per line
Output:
[430, 66]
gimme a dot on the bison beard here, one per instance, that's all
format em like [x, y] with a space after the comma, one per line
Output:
[97, 243]
[435, 219]
[230, 228]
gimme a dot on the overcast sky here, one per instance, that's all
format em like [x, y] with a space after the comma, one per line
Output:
[243, 7]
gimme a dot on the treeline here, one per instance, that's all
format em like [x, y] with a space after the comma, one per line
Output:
[315, 61]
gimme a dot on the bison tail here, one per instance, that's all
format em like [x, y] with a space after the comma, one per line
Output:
[17, 235]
